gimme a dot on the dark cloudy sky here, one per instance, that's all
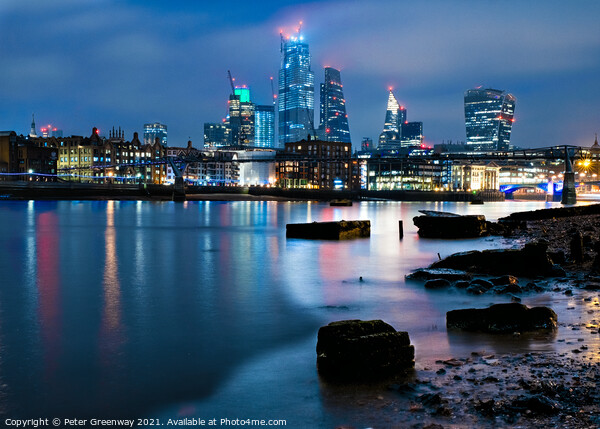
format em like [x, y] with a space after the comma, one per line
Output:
[84, 63]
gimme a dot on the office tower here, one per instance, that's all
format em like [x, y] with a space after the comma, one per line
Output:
[241, 117]
[395, 116]
[50, 131]
[367, 145]
[488, 118]
[411, 134]
[243, 92]
[152, 131]
[333, 125]
[216, 135]
[296, 91]
[32, 131]
[264, 126]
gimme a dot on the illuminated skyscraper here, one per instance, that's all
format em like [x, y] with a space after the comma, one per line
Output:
[334, 120]
[488, 118]
[264, 126]
[241, 118]
[367, 145]
[152, 131]
[395, 116]
[411, 134]
[50, 131]
[216, 135]
[296, 91]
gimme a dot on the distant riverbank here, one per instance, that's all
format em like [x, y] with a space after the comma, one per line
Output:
[20, 190]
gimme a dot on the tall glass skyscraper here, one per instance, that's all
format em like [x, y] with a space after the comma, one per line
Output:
[152, 131]
[264, 126]
[241, 118]
[395, 116]
[296, 91]
[489, 114]
[333, 126]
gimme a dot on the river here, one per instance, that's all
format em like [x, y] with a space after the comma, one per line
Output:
[204, 309]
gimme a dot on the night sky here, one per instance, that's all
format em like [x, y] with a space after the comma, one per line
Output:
[77, 64]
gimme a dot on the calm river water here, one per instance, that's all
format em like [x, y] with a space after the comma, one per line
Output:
[205, 309]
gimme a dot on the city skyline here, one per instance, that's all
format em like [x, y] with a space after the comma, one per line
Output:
[81, 66]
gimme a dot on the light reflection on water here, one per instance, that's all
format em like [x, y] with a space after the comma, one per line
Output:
[118, 308]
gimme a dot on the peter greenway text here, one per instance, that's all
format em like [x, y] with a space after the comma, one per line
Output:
[215, 422]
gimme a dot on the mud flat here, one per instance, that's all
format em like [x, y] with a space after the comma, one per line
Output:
[551, 386]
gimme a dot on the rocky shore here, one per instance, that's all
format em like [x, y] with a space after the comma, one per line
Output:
[553, 388]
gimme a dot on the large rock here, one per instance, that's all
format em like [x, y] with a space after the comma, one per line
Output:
[554, 213]
[339, 230]
[439, 273]
[531, 260]
[361, 350]
[502, 318]
[505, 280]
[437, 284]
[451, 226]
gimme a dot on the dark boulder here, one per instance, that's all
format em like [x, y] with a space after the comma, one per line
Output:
[451, 226]
[533, 287]
[497, 228]
[482, 283]
[576, 247]
[362, 350]
[553, 213]
[339, 230]
[557, 257]
[529, 261]
[557, 271]
[437, 284]
[537, 404]
[510, 288]
[502, 318]
[441, 273]
[505, 280]
[476, 290]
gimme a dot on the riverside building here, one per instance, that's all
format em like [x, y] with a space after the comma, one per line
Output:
[317, 164]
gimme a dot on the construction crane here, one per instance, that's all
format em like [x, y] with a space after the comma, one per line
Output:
[241, 133]
[231, 82]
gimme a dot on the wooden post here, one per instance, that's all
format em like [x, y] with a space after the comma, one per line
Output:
[401, 229]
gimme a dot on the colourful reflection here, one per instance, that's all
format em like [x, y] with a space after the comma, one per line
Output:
[111, 318]
[48, 281]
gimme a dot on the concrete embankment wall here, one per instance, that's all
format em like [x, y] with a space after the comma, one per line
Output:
[324, 195]
[73, 190]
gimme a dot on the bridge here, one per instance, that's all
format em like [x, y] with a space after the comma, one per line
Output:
[566, 153]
